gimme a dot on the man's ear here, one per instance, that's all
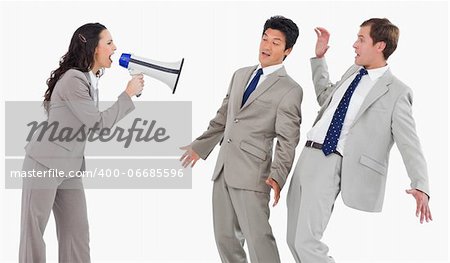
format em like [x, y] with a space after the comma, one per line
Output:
[381, 46]
[287, 51]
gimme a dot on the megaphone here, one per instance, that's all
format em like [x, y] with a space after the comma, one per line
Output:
[167, 72]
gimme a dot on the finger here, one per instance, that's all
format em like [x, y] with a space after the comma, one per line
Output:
[272, 184]
[317, 32]
[408, 191]
[323, 31]
[183, 164]
[419, 207]
[424, 212]
[276, 198]
[193, 163]
[277, 193]
[186, 162]
[183, 147]
[427, 214]
[184, 155]
[422, 216]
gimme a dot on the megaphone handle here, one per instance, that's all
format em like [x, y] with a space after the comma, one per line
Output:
[132, 73]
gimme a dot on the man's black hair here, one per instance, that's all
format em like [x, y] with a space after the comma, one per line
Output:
[285, 25]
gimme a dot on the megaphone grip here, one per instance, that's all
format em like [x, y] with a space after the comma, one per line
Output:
[132, 73]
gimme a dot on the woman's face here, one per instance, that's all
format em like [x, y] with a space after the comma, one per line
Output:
[104, 50]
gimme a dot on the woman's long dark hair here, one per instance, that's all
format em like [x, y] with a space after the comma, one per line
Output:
[79, 56]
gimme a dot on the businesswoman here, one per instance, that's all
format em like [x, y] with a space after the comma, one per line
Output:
[71, 101]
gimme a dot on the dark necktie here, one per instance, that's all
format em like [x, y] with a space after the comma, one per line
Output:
[334, 131]
[252, 86]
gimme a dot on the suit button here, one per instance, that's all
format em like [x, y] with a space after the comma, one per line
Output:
[229, 140]
[236, 120]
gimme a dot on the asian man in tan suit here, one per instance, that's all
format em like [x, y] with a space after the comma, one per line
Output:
[262, 103]
[347, 149]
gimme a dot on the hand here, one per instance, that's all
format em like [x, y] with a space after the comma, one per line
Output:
[323, 36]
[189, 156]
[135, 85]
[422, 204]
[276, 189]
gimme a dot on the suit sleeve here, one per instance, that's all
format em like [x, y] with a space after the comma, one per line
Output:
[75, 92]
[405, 136]
[287, 128]
[321, 79]
[204, 144]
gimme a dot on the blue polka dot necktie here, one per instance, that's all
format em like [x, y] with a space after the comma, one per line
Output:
[334, 131]
[252, 86]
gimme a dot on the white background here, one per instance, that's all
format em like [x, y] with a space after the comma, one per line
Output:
[216, 38]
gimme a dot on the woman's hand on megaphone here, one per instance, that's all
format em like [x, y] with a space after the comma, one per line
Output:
[135, 85]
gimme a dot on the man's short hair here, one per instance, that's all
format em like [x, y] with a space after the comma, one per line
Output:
[285, 25]
[381, 29]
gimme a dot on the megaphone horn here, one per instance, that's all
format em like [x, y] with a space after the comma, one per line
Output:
[167, 72]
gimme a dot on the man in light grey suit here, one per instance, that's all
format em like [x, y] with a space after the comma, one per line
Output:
[262, 103]
[347, 149]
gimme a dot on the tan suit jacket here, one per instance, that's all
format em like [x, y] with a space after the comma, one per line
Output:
[272, 111]
[73, 107]
[385, 117]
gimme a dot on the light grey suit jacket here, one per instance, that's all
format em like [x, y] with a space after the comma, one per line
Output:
[73, 107]
[272, 111]
[385, 117]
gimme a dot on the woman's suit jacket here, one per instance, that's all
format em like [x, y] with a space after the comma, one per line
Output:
[72, 107]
